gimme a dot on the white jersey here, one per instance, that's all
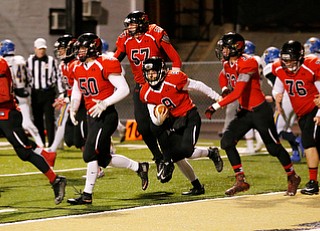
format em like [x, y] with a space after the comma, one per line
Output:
[19, 71]
[20, 76]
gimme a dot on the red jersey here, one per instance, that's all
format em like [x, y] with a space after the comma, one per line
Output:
[300, 86]
[6, 89]
[153, 43]
[246, 89]
[171, 94]
[225, 81]
[93, 80]
[66, 72]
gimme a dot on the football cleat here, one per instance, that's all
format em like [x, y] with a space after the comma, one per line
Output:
[83, 199]
[159, 165]
[166, 172]
[194, 191]
[100, 173]
[312, 188]
[214, 155]
[293, 184]
[59, 187]
[239, 186]
[143, 174]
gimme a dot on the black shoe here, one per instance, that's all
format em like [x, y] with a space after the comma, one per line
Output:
[143, 174]
[194, 191]
[214, 155]
[83, 199]
[159, 165]
[59, 189]
[167, 171]
[312, 187]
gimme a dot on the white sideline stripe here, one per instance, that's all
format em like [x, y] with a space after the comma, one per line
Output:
[35, 173]
[4, 144]
[7, 210]
[136, 208]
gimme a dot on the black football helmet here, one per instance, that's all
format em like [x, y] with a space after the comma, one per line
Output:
[156, 64]
[234, 42]
[292, 56]
[90, 41]
[67, 42]
[140, 18]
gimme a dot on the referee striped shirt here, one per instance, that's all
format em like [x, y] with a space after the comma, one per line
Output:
[44, 72]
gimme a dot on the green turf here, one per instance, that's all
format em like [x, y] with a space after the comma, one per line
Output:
[31, 196]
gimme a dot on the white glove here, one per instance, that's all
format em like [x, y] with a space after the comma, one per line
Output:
[73, 117]
[97, 109]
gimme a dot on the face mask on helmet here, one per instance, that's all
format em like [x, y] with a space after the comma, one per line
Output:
[154, 71]
[63, 47]
[7, 47]
[87, 45]
[292, 56]
[136, 22]
[230, 45]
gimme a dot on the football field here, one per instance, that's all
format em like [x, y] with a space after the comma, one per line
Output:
[161, 206]
[272, 211]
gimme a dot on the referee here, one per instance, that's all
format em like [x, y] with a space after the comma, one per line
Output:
[44, 82]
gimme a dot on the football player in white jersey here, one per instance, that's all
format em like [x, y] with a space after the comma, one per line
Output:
[20, 79]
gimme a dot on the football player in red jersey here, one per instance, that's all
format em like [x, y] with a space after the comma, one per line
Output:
[178, 134]
[11, 127]
[139, 41]
[99, 80]
[299, 76]
[254, 112]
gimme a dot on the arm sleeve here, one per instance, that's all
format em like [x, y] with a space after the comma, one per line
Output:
[194, 85]
[75, 97]
[277, 88]
[317, 84]
[151, 113]
[122, 89]
[154, 119]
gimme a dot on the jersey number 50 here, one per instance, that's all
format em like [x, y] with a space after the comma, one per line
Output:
[88, 86]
